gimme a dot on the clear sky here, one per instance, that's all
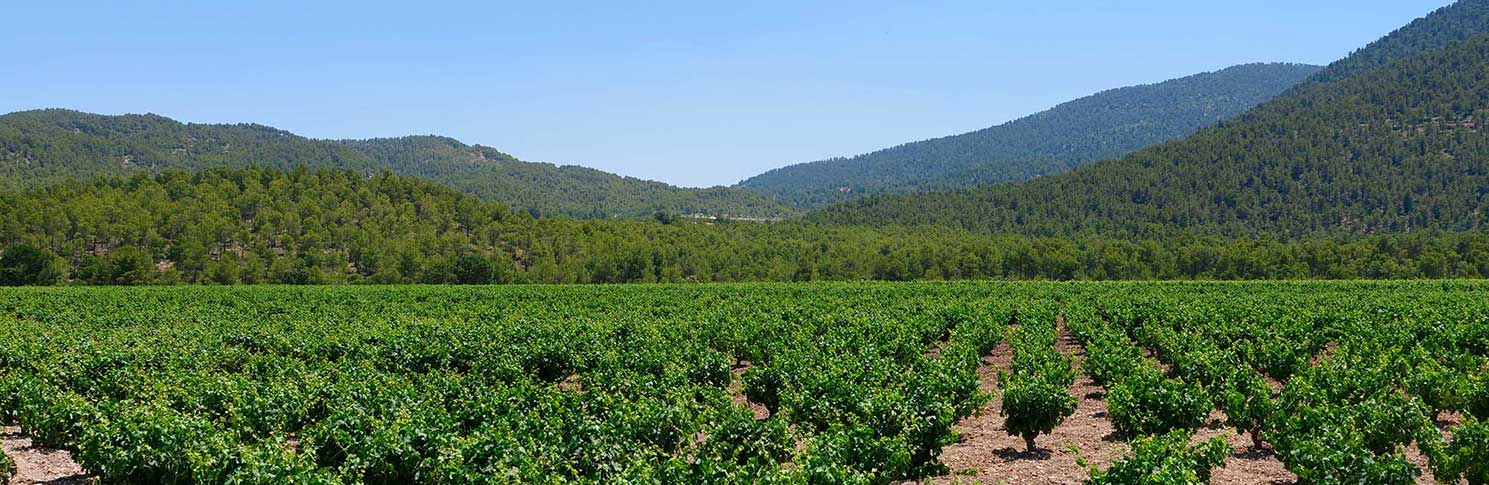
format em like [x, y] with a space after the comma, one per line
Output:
[688, 92]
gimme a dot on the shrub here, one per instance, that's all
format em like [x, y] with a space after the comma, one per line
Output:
[1467, 456]
[1034, 405]
[7, 467]
[1247, 402]
[151, 444]
[1148, 404]
[1165, 459]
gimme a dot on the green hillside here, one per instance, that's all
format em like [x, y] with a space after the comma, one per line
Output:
[1395, 149]
[1108, 124]
[47, 146]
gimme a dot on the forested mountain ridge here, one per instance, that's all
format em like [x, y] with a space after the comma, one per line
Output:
[1394, 149]
[42, 147]
[1104, 125]
[546, 189]
[1454, 23]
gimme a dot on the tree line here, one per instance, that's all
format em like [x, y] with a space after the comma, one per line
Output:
[264, 225]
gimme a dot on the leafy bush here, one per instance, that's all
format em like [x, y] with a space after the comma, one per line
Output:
[1247, 403]
[1467, 455]
[1478, 398]
[271, 463]
[151, 444]
[1148, 404]
[7, 467]
[55, 418]
[1439, 387]
[1345, 422]
[742, 440]
[1165, 459]
[1034, 406]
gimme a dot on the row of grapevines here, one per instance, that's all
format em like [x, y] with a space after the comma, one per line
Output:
[1036, 387]
[1387, 367]
[483, 385]
[1159, 414]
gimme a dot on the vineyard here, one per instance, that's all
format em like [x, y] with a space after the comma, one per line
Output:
[1343, 382]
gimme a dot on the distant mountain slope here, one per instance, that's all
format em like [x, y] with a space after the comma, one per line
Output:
[1392, 149]
[1450, 24]
[1108, 124]
[568, 190]
[47, 146]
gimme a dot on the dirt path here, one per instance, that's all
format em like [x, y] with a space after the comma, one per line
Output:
[988, 454]
[1244, 465]
[1415, 456]
[39, 465]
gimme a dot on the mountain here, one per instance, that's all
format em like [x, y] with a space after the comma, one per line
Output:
[42, 147]
[1108, 124]
[1360, 150]
[1454, 23]
[546, 189]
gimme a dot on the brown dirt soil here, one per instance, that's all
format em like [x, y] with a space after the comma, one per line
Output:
[40, 465]
[1244, 465]
[736, 391]
[1414, 454]
[987, 454]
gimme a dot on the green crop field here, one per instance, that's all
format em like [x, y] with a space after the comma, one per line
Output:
[762, 383]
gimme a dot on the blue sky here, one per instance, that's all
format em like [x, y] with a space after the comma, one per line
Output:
[687, 92]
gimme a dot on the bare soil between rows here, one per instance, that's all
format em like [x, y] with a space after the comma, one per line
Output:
[35, 465]
[985, 454]
[988, 454]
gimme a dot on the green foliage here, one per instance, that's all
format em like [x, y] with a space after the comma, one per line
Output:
[1108, 124]
[1036, 389]
[1147, 404]
[496, 384]
[477, 270]
[150, 444]
[746, 442]
[127, 265]
[273, 462]
[1247, 402]
[1035, 406]
[1478, 397]
[1343, 422]
[1165, 459]
[27, 265]
[1439, 387]
[1467, 455]
[263, 225]
[7, 467]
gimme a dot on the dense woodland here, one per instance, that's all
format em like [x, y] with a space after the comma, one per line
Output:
[1105, 125]
[42, 147]
[1393, 150]
[265, 225]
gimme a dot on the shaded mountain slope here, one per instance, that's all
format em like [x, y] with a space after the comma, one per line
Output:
[1108, 124]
